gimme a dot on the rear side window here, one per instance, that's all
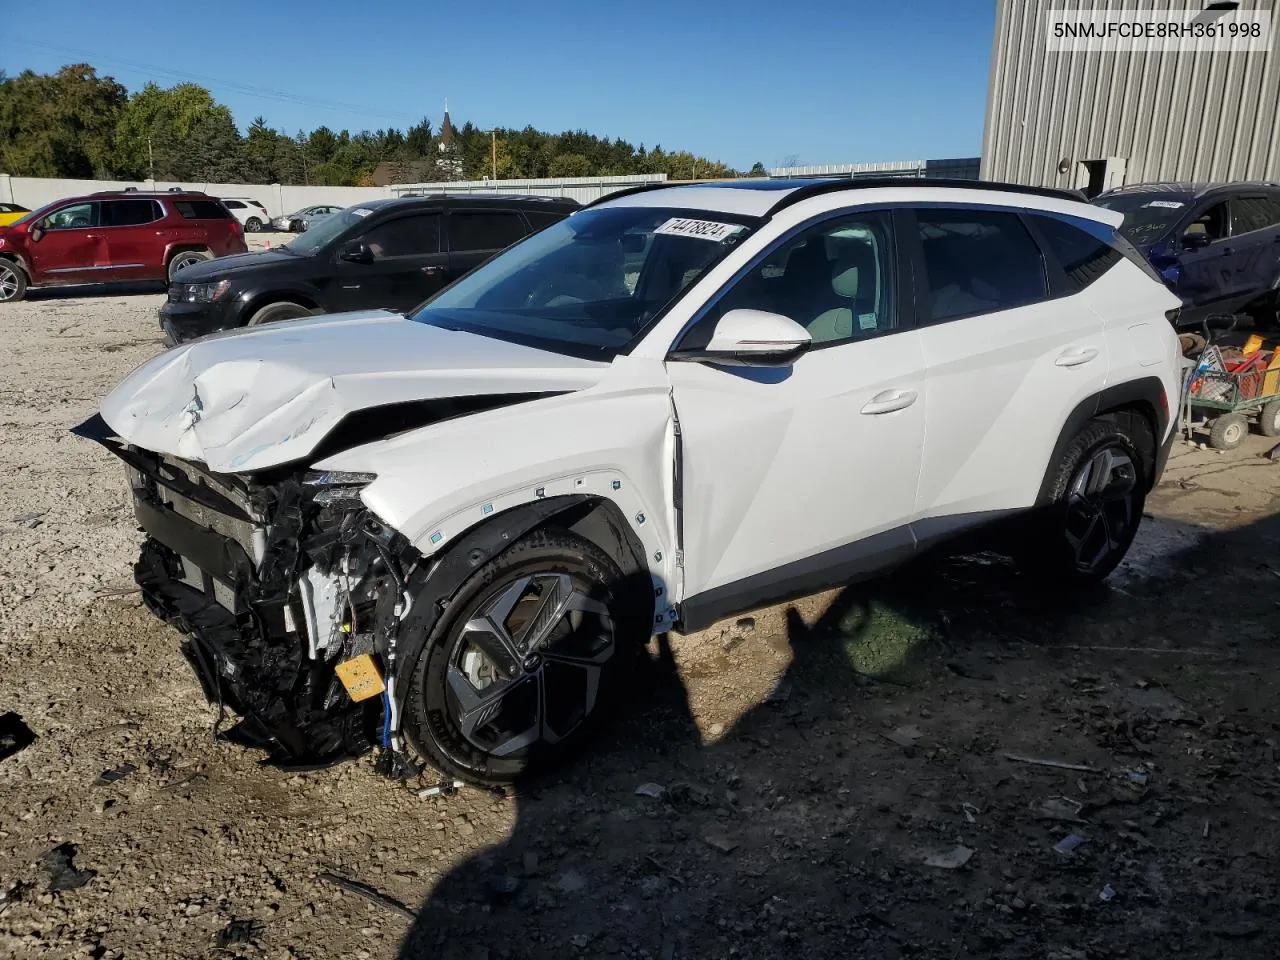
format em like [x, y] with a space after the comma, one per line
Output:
[541, 219]
[488, 230]
[978, 261]
[233, 204]
[129, 213]
[202, 210]
[1082, 256]
[1254, 213]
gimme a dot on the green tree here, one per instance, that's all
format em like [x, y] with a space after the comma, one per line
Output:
[180, 133]
[570, 165]
[758, 170]
[60, 125]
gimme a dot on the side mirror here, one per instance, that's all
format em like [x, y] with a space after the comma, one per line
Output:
[355, 251]
[37, 231]
[752, 338]
[1195, 241]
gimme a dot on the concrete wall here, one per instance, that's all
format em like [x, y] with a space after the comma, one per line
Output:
[1053, 117]
[582, 189]
[35, 192]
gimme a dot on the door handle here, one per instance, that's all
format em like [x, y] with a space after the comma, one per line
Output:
[432, 271]
[1227, 251]
[1075, 356]
[93, 236]
[888, 401]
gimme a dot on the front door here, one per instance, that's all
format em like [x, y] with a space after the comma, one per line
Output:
[407, 267]
[1208, 259]
[800, 478]
[72, 248]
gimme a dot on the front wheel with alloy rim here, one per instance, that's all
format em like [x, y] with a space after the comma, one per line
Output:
[276, 312]
[13, 282]
[524, 663]
[252, 225]
[1094, 506]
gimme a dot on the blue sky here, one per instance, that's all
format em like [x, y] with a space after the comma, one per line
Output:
[821, 81]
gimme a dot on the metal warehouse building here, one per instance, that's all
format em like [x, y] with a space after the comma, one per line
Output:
[1091, 119]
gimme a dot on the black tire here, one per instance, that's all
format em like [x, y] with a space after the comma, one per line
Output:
[13, 282]
[184, 258]
[1269, 419]
[252, 225]
[489, 744]
[1228, 431]
[1094, 504]
[276, 312]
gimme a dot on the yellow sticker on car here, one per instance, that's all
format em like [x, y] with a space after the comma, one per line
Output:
[361, 677]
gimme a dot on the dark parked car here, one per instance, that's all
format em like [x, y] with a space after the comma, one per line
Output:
[121, 236]
[392, 254]
[1217, 246]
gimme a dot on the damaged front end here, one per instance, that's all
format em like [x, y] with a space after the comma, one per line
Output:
[290, 594]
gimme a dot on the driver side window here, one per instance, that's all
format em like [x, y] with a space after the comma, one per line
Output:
[835, 279]
[74, 217]
[1212, 223]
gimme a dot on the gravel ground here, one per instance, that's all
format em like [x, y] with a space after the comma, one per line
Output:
[831, 779]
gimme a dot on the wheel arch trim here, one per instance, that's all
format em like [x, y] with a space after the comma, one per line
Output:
[1143, 395]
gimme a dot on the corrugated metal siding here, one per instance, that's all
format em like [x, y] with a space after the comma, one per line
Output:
[582, 189]
[1170, 116]
[965, 168]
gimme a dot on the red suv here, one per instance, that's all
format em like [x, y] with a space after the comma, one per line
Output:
[114, 237]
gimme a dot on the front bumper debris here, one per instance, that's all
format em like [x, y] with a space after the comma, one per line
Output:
[272, 592]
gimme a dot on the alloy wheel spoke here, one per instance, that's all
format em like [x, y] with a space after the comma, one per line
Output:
[475, 707]
[491, 638]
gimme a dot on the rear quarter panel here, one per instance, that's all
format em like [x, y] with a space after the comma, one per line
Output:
[1141, 341]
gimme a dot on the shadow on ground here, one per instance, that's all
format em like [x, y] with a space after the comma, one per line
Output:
[869, 806]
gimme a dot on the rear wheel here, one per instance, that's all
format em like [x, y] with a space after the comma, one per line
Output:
[185, 258]
[524, 664]
[1228, 431]
[276, 312]
[252, 225]
[1096, 501]
[13, 282]
[295, 226]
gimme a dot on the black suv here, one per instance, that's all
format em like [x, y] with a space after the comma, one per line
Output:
[390, 254]
[1217, 246]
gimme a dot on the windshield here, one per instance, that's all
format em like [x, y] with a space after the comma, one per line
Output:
[1147, 217]
[324, 230]
[591, 284]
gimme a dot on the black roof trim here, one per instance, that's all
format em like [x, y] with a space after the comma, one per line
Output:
[497, 199]
[135, 192]
[820, 187]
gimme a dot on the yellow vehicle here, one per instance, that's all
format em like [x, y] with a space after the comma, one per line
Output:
[10, 212]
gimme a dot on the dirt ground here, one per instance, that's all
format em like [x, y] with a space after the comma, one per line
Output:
[839, 778]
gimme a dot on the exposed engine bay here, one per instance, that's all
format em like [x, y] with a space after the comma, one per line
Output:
[290, 594]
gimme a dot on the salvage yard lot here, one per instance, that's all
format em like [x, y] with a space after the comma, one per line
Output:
[830, 780]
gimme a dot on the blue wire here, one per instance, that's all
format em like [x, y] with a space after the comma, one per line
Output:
[387, 720]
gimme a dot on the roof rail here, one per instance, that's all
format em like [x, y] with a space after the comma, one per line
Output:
[867, 183]
[629, 191]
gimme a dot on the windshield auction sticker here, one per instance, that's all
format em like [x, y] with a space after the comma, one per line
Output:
[1165, 204]
[701, 229]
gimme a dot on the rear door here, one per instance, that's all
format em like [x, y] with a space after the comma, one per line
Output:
[135, 246]
[1008, 360]
[407, 267]
[1255, 236]
[72, 248]
[476, 235]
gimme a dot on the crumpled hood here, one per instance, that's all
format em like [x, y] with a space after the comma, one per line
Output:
[267, 396]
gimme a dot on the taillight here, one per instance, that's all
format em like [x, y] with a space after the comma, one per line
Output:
[1164, 406]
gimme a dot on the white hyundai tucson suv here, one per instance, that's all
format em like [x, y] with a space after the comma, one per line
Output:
[446, 533]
